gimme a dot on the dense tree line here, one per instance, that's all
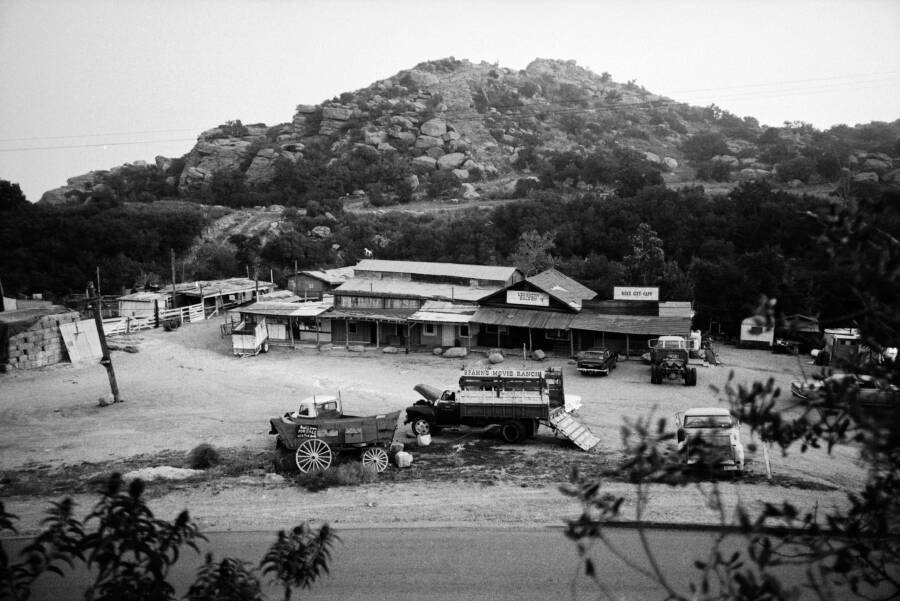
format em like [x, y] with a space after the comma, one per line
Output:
[57, 250]
[722, 251]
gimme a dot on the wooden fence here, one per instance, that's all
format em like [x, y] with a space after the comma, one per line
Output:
[126, 325]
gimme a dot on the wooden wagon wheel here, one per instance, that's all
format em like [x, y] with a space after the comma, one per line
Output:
[375, 457]
[313, 455]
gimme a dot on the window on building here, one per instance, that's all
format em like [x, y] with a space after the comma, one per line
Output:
[557, 335]
[464, 331]
[430, 329]
[351, 327]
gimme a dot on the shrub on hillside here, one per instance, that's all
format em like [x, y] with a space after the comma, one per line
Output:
[203, 456]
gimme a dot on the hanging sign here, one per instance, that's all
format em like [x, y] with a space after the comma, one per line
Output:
[635, 293]
[527, 297]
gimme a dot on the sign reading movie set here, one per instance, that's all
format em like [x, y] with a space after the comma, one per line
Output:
[527, 297]
[635, 293]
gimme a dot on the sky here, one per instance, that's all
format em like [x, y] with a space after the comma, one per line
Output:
[93, 84]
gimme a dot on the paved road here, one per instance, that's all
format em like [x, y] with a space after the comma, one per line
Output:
[438, 564]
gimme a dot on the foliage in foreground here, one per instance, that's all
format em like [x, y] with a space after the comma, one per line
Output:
[129, 553]
[842, 552]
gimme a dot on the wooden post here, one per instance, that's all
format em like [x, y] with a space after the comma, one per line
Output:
[105, 360]
[174, 297]
[530, 346]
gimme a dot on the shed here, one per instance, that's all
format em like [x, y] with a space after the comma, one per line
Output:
[288, 323]
[756, 334]
[144, 304]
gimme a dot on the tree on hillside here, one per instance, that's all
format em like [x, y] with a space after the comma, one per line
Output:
[704, 146]
[11, 196]
[846, 551]
[532, 254]
[647, 262]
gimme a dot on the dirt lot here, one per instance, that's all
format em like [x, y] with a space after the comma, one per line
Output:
[184, 387]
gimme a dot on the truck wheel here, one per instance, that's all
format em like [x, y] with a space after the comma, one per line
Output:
[265, 347]
[512, 431]
[530, 427]
[693, 376]
[420, 427]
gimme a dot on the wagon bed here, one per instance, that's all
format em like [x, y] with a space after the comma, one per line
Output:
[314, 441]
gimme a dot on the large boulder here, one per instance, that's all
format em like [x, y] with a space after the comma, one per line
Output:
[469, 193]
[866, 177]
[425, 163]
[424, 142]
[262, 169]
[876, 165]
[376, 137]
[451, 161]
[336, 113]
[434, 127]
[456, 352]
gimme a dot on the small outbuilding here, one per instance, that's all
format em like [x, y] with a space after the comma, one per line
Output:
[755, 334]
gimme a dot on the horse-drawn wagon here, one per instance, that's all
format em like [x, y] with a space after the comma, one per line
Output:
[312, 436]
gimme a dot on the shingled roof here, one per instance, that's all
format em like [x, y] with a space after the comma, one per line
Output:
[562, 287]
[651, 325]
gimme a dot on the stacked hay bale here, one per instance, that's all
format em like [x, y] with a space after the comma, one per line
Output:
[35, 340]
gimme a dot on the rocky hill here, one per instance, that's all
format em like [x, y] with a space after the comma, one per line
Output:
[451, 127]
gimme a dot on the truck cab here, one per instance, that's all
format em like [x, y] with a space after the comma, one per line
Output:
[317, 406]
[669, 360]
[710, 436]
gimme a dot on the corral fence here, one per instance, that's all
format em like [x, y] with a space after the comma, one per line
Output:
[180, 315]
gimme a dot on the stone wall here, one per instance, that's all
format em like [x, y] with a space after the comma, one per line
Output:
[41, 344]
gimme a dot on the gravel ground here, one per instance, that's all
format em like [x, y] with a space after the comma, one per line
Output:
[184, 387]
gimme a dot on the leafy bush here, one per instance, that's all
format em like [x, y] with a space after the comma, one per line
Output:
[800, 168]
[203, 456]
[704, 146]
[442, 183]
[129, 554]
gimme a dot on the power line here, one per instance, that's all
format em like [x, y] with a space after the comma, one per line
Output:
[120, 133]
[98, 145]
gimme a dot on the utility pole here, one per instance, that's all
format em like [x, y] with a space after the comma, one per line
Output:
[174, 303]
[105, 361]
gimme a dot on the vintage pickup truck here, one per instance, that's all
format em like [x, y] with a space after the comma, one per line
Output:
[312, 435]
[710, 437]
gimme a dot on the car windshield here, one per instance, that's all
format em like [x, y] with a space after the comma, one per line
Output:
[595, 354]
[707, 421]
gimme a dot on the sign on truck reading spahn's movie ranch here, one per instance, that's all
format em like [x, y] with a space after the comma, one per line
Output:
[527, 297]
[635, 293]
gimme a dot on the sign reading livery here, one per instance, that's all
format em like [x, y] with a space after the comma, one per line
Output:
[635, 293]
[527, 297]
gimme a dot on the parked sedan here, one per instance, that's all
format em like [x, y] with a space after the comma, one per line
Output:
[597, 361]
[871, 392]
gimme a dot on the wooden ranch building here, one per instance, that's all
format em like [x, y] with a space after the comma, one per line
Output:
[534, 313]
[374, 307]
[313, 285]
